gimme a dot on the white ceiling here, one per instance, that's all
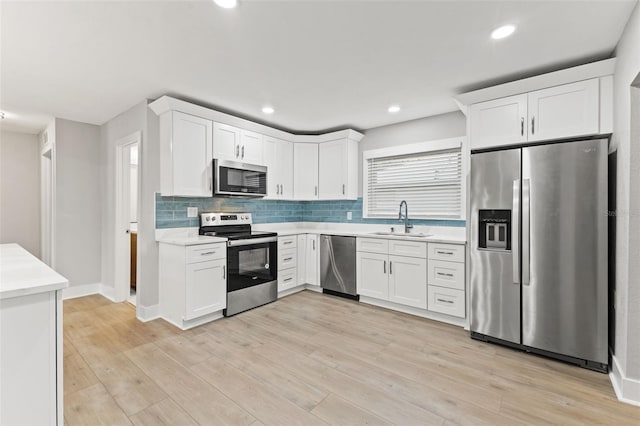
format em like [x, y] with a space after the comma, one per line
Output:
[321, 64]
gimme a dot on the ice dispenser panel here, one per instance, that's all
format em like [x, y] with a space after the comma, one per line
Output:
[494, 229]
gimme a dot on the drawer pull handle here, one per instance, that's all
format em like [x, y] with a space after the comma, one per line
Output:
[444, 274]
[444, 300]
[287, 259]
[288, 279]
[444, 252]
[207, 252]
[224, 272]
[287, 242]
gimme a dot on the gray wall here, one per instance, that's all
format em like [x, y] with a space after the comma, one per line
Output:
[78, 202]
[20, 190]
[627, 348]
[442, 126]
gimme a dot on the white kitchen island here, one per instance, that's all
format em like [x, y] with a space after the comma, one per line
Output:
[30, 339]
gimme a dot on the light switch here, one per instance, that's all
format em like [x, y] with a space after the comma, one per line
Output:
[349, 216]
[192, 212]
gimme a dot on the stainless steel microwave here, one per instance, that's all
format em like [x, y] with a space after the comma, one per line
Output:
[234, 178]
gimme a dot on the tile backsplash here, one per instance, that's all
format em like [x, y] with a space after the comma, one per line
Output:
[171, 212]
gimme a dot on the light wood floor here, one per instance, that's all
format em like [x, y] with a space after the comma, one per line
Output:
[313, 359]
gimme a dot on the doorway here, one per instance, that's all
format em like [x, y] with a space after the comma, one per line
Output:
[126, 224]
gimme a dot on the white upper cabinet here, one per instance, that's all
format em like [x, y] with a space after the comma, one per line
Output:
[305, 171]
[186, 151]
[499, 122]
[338, 168]
[232, 143]
[564, 111]
[250, 147]
[278, 157]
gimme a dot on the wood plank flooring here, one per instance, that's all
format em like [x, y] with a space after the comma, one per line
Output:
[313, 359]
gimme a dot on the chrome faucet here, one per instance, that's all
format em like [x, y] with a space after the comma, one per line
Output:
[407, 225]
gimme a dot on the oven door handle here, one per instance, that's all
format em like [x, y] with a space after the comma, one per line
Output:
[250, 241]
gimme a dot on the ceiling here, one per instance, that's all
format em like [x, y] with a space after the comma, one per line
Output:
[321, 64]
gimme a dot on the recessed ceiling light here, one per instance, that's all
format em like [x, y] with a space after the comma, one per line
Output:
[268, 110]
[393, 109]
[2, 115]
[502, 32]
[227, 4]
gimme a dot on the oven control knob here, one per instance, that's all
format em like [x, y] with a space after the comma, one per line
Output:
[207, 218]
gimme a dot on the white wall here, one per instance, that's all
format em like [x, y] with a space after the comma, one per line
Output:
[137, 118]
[78, 202]
[20, 190]
[442, 126]
[627, 341]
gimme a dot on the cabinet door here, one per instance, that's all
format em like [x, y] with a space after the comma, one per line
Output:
[250, 147]
[408, 281]
[332, 172]
[191, 151]
[564, 111]
[270, 156]
[305, 171]
[498, 122]
[302, 256]
[285, 167]
[312, 260]
[226, 142]
[206, 288]
[371, 275]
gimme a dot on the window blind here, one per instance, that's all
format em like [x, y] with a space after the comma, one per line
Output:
[430, 182]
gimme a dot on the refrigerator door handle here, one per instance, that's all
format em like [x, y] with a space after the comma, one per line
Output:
[526, 231]
[515, 231]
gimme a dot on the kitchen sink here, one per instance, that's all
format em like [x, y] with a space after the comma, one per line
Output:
[403, 234]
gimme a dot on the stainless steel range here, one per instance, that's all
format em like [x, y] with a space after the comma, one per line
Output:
[252, 258]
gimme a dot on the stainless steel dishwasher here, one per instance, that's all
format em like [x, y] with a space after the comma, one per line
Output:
[338, 265]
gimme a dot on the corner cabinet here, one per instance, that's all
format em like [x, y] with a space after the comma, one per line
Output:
[186, 153]
[338, 170]
[559, 112]
[305, 171]
[278, 157]
[193, 283]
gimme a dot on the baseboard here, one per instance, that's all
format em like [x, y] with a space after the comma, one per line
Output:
[75, 291]
[312, 287]
[108, 292]
[627, 389]
[147, 313]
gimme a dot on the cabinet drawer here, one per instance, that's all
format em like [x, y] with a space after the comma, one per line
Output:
[372, 245]
[446, 274]
[203, 252]
[287, 258]
[450, 252]
[287, 279]
[290, 241]
[408, 248]
[446, 301]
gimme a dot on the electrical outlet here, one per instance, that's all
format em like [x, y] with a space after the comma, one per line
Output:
[192, 212]
[349, 216]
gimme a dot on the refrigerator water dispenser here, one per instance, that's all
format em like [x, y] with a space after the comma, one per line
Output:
[494, 229]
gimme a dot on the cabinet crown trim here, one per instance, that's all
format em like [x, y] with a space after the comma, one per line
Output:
[167, 103]
[542, 81]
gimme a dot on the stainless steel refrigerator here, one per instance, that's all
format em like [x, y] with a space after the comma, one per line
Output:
[538, 249]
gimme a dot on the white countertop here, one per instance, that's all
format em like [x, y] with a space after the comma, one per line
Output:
[185, 237]
[21, 273]
[437, 234]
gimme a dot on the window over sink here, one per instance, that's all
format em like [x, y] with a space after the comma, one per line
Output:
[429, 176]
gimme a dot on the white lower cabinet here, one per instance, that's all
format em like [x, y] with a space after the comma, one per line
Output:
[446, 277]
[193, 283]
[312, 260]
[389, 276]
[407, 281]
[287, 262]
